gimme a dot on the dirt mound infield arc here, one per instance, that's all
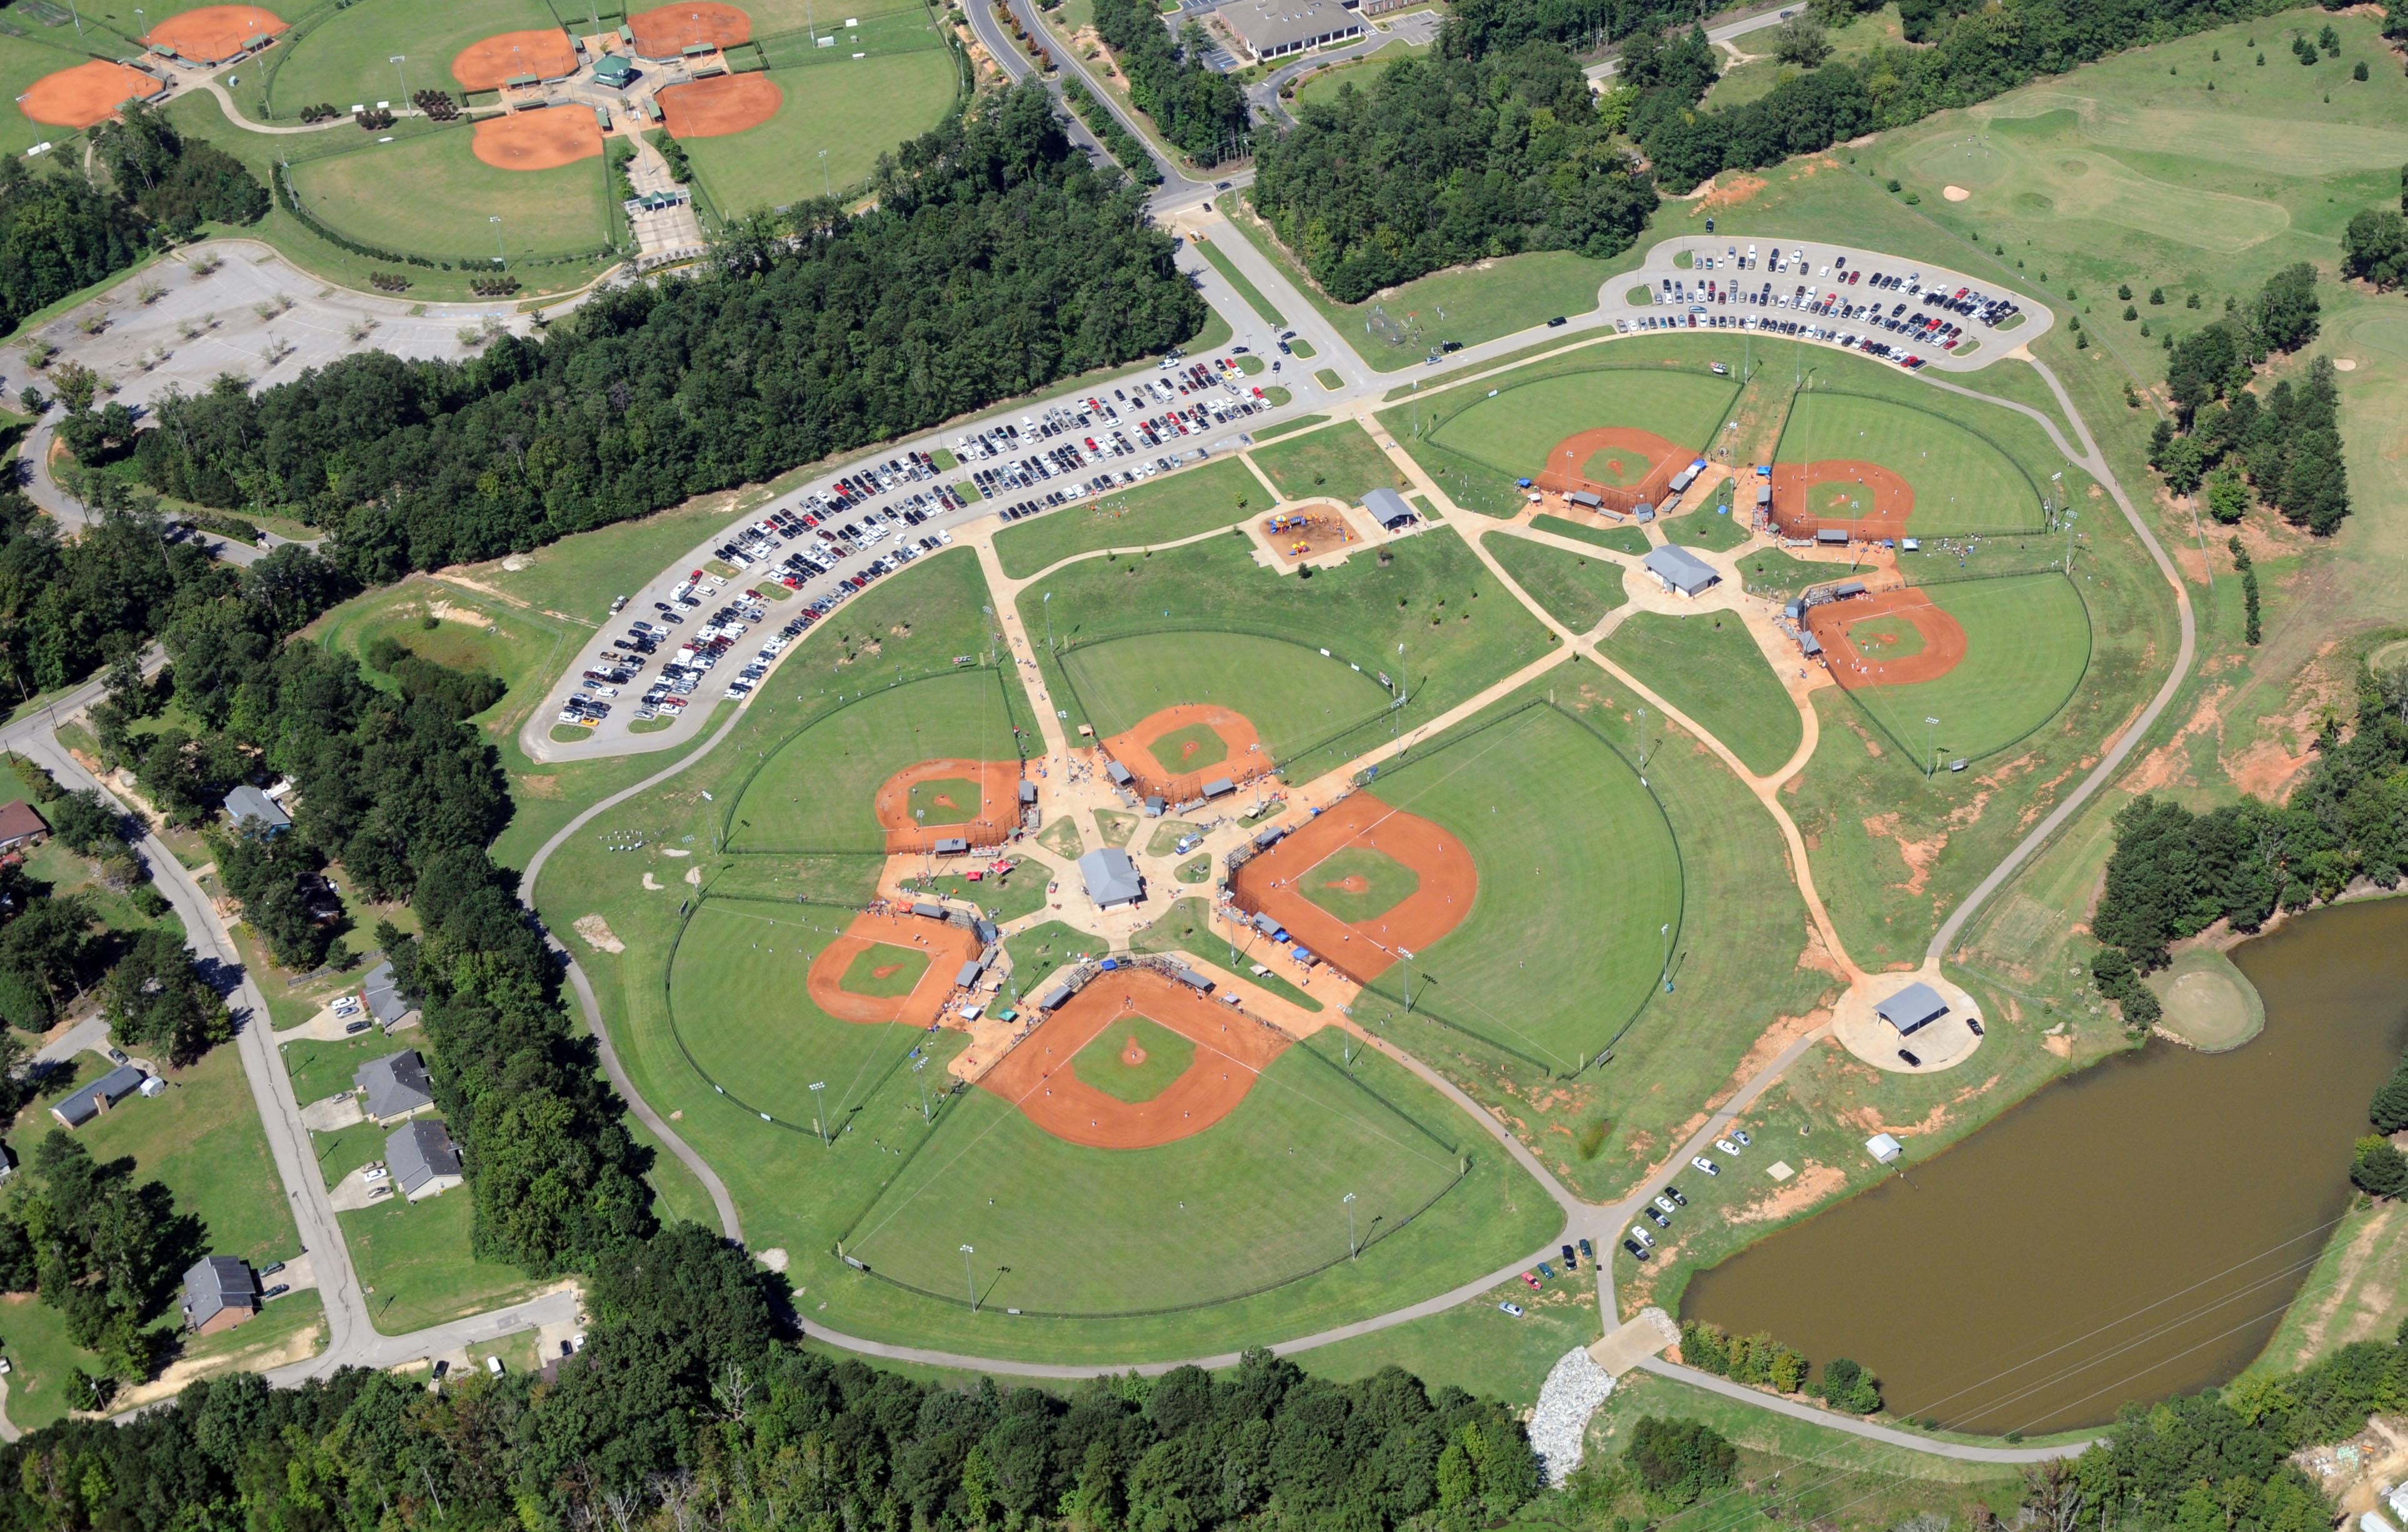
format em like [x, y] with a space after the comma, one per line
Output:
[999, 808]
[212, 33]
[1363, 949]
[87, 93]
[1561, 473]
[484, 66]
[1231, 1052]
[715, 108]
[1794, 487]
[667, 30]
[1134, 748]
[543, 139]
[948, 946]
[1944, 638]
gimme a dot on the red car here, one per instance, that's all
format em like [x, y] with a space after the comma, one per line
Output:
[1532, 1279]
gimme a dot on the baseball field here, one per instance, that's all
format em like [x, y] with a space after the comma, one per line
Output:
[346, 55]
[430, 192]
[832, 122]
[2026, 644]
[32, 53]
[1884, 468]
[1289, 693]
[1523, 429]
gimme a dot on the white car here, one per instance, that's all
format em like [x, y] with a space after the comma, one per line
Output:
[1665, 1203]
[1645, 1239]
[1727, 1147]
[1709, 1166]
[1513, 1308]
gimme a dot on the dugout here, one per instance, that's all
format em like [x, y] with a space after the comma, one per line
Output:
[1219, 787]
[1117, 774]
[952, 845]
[1831, 537]
[1587, 501]
[928, 910]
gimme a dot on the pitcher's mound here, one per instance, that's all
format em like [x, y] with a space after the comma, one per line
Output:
[484, 64]
[543, 139]
[715, 108]
[86, 94]
[1955, 193]
[214, 33]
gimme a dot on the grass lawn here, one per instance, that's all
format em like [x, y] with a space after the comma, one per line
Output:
[1961, 482]
[1622, 539]
[1135, 1060]
[2027, 643]
[1340, 463]
[429, 195]
[1600, 845]
[203, 1140]
[1746, 82]
[1719, 677]
[1244, 284]
[347, 56]
[1302, 422]
[1708, 526]
[324, 1069]
[1459, 631]
[855, 110]
[1463, 304]
[1322, 85]
[1577, 591]
[414, 1265]
[1166, 510]
[579, 576]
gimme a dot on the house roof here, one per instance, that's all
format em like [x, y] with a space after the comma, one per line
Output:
[18, 820]
[384, 1001]
[216, 1283]
[110, 1088]
[395, 1084]
[1281, 23]
[1388, 507]
[1110, 877]
[1917, 1005]
[248, 802]
[1680, 569]
[418, 1152]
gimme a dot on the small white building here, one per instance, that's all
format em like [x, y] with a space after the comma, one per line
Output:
[1881, 1146]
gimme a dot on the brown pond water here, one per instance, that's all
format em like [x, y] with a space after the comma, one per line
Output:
[2131, 1232]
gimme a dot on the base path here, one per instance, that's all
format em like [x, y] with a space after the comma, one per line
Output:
[484, 66]
[1564, 470]
[1232, 1050]
[669, 31]
[543, 139]
[1274, 883]
[212, 33]
[87, 93]
[1242, 755]
[991, 820]
[945, 945]
[715, 108]
[1798, 488]
[1857, 666]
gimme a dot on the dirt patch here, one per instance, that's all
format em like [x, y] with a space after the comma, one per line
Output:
[597, 932]
[669, 31]
[483, 65]
[1793, 494]
[1560, 475]
[2374, 1304]
[1944, 638]
[1805, 1189]
[1231, 1052]
[1131, 1053]
[715, 108]
[998, 813]
[87, 93]
[1362, 951]
[948, 946]
[1352, 883]
[545, 139]
[212, 34]
[1737, 190]
[1134, 748]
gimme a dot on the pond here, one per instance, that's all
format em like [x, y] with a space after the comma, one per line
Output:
[2131, 1232]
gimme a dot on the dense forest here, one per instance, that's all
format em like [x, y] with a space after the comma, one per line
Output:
[61, 231]
[995, 260]
[1201, 111]
[1447, 160]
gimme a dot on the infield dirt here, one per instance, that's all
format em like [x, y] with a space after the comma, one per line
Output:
[1134, 748]
[998, 811]
[212, 33]
[86, 94]
[1274, 882]
[724, 104]
[946, 945]
[1793, 494]
[1944, 638]
[1560, 472]
[543, 139]
[484, 64]
[669, 31]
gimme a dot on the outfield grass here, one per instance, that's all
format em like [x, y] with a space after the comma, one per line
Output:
[815, 791]
[413, 1263]
[1577, 591]
[2027, 643]
[1962, 483]
[1583, 834]
[1290, 693]
[1719, 677]
[1622, 539]
[428, 193]
[1341, 463]
[1220, 261]
[1163, 510]
[1458, 628]
[855, 110]
[346, 56]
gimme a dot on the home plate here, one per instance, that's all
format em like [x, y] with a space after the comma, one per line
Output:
[1779, 1171]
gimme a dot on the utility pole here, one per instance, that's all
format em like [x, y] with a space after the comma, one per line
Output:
[1930, 748]
[1665, 972]
[397, 61]
[501, 257]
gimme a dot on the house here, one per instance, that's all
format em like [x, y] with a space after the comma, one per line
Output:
[247, 802]
[1389, 509]
[89, 1101]
[21, 827]
[424, 1160]
[1912, 1008]
[1270, 29]
[220, 1293]
[393, 1087]
[1112, 878]
[383, 1000]
[1682, 571]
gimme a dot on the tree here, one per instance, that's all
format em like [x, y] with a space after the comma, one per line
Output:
[1679, 1462]
[154, 997]
[83, 823]
[1847, 1385]
[2374, 246]
[2285, 315]
[2388, 1111]
[2377, 1169]
[1801, 40]
[2228, 496]
[48, 955]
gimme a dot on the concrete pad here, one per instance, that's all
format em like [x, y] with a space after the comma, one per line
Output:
[333, 1115]
[1941, 1044]
[1624, 1348]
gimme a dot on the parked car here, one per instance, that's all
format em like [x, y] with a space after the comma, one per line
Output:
[1642, 1237]
[1739, 1135]
[354, 1028]
[1656, 1218]
[1638, 1251]
[1709, 1166]
[1532, 1279]
[494, 1365]
[1513, 1308]
[1675, 1194]
[1727, 1147]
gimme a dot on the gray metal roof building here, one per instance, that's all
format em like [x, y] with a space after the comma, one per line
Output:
[248, 802]
[1117, 773]
[1270, 29]
[1219, 787]
[1112, 878]
[1388, 507]
[1916, 1006]
[952, 845]
[395, 1085]
[383, 1000]
[89, 1101]
[220, 1293]
[423, 1158]
[1681, 570]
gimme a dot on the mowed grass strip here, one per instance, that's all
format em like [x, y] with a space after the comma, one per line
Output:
[817, 791]
[1555, 822]
[1339, 462]
[855, 110]
[1252, 1201]
[2026, 646]
[1622, 539]
[1716, 676]
[429, 194]
[347, 57]
[1219, 260]
[1180, 505]
[1576, 590]
[1134, 1059]
[1289, 693]
[1962, 482]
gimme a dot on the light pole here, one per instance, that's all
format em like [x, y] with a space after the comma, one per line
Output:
[918, 1073]
[826, 186]
[1352, 1248]
[501, 258]
[819, 1118]
[1643, 744]
[969, 1278]
[2070, 517]
[1666, 930]
[1048, 604]
[1930, 748]
[397, 60]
